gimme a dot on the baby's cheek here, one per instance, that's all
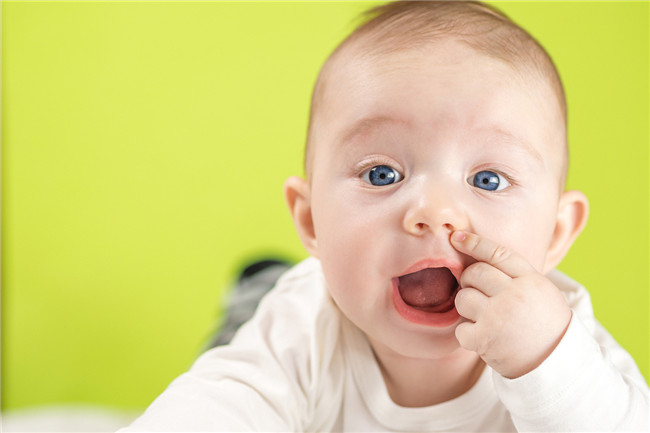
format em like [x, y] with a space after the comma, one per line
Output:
[347, 257]
[342, 287]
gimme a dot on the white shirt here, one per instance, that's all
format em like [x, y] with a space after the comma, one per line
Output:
[300, 365]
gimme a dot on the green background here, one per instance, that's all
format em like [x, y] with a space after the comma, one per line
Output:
[144, 147]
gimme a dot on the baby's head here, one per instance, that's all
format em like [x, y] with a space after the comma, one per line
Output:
[431, 117]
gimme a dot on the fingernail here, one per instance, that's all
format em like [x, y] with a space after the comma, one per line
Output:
[459, 236]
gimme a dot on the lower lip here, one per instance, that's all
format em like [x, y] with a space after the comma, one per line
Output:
[437, 320]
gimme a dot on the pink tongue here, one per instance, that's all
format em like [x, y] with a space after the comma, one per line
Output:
[428, 287]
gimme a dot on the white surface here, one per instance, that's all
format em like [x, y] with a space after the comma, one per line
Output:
[65, 419]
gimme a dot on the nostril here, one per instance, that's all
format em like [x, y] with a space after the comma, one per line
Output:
[448, 227]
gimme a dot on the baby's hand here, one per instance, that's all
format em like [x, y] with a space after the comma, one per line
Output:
[517, 316]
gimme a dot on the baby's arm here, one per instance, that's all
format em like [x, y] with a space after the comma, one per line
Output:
[227, 389]
[556, 372]
[270, 377]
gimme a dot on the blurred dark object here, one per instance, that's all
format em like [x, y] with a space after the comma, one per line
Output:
[253, 283]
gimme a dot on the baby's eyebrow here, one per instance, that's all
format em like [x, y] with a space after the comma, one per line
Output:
[366, 124]
[504, 136]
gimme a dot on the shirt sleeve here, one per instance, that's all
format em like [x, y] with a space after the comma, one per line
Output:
[588, 383]
[225, 390]
[267, 379]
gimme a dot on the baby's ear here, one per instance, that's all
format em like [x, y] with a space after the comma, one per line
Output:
[298, 196]
[571, 219]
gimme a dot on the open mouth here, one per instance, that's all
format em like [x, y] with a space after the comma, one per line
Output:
[432, 290]
[427, 296]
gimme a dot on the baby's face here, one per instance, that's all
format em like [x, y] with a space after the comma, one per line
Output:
[413, 146]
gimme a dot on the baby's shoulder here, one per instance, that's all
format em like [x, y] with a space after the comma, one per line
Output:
[296, 320]
[301, 296]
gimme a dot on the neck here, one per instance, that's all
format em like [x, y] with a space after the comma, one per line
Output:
[416, 382]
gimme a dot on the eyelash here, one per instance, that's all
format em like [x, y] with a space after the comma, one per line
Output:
[373, 161]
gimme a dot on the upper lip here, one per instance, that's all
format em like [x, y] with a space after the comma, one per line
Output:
[455, 267]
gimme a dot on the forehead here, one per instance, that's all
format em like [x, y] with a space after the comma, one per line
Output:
[444, 87]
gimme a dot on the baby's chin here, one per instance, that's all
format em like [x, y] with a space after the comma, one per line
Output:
[438, 346]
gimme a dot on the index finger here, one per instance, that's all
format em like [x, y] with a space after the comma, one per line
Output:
[485, 250]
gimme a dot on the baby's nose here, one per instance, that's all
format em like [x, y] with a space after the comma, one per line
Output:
[436, 210]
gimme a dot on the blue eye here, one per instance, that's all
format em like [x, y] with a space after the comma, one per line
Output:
[381, 175]
[489, 181]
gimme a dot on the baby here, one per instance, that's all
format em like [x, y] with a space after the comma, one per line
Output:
[435, 213]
